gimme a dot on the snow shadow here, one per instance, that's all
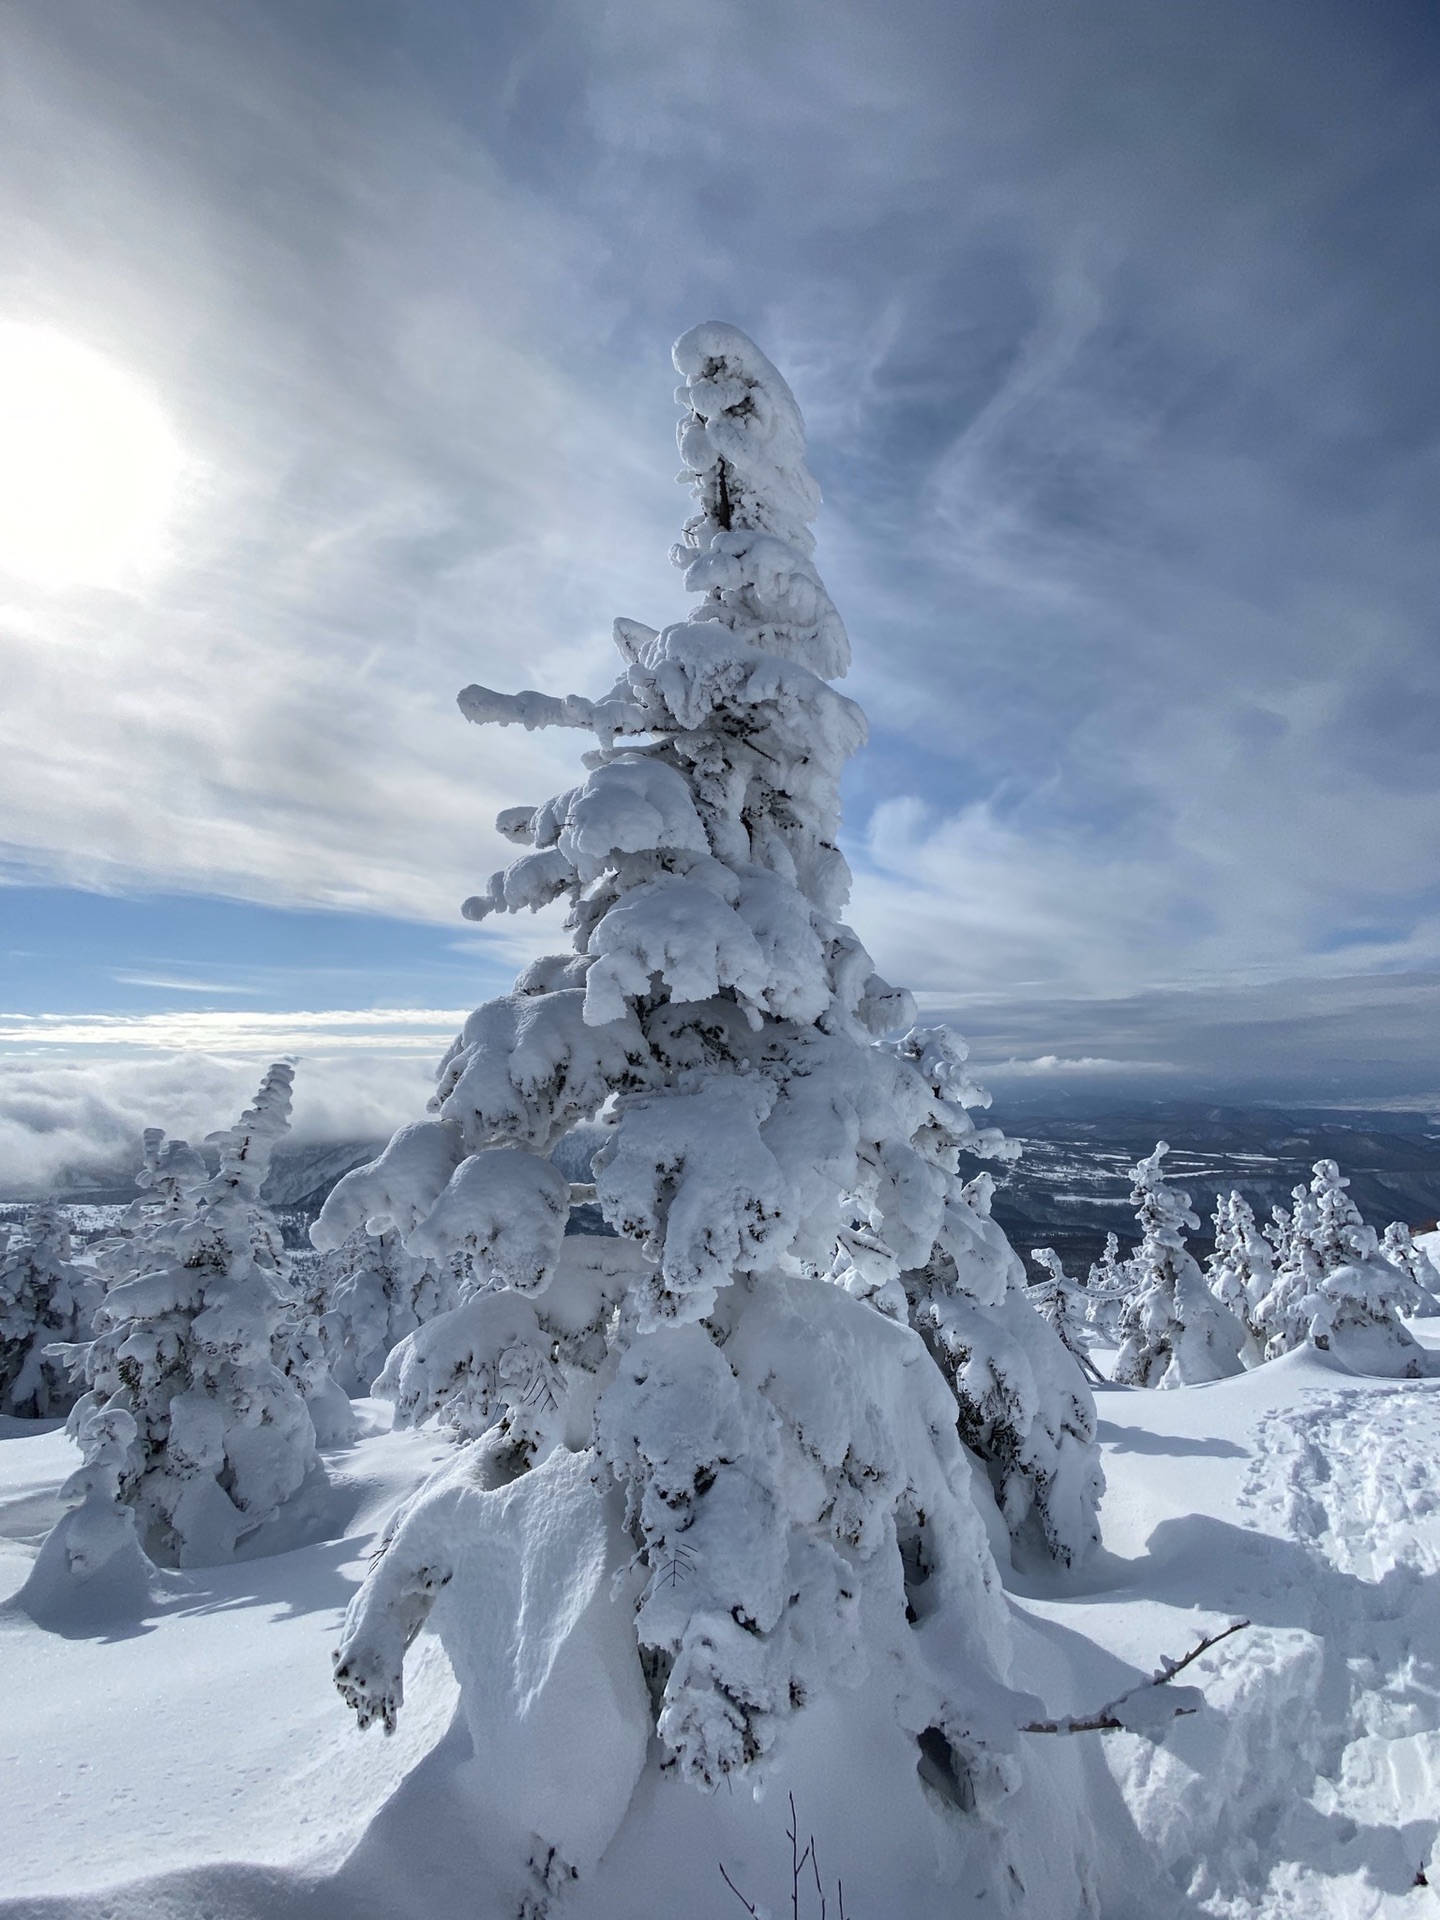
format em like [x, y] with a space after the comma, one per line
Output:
[1141, 1440]
[422, 1856]
[130, 1598]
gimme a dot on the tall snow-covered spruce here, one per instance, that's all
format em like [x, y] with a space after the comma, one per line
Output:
[766, 1436]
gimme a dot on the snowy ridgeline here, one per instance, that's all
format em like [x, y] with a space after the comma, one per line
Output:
[752, 1470]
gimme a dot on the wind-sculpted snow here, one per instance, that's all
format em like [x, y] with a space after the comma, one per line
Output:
[499, 1221]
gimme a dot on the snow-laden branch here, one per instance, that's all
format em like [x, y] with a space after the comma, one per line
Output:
[484, 707]
[1144, 1709]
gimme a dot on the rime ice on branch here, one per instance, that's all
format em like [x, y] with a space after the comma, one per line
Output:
[784, 1181]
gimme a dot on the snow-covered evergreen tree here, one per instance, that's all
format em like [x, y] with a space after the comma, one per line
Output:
[1334, 1287]
[786, 1457]
[1025, 1407]
[370, 1293]
[192, 1435]
[1174, 1331]
[45, 1297]
[1107, 1288]
[1397, 1244]
[1061, 1304]
[1239, 1270]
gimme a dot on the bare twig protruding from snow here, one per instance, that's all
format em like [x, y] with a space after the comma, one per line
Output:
[799, 1860]
[1139, 1711]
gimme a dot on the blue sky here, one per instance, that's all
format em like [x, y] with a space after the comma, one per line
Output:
[1114, 326]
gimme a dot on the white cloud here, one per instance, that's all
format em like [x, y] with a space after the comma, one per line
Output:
[76, 1092]
[400, 481]
[1137, 553]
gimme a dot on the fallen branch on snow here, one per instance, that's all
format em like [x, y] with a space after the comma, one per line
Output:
[1144, 1709]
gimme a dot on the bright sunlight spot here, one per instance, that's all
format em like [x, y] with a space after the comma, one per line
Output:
[88, 464]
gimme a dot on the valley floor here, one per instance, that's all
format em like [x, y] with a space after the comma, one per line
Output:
[198, 1765]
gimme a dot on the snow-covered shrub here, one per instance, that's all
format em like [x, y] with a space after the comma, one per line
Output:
[1334, 1287]
[786, 1459]
[1174, 1332]
[44, 1297]
[192, 1434]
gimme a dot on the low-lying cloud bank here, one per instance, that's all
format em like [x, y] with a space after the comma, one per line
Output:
[76, 1091]
[75, 1094]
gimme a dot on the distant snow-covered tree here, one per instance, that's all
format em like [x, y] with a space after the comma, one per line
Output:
[189, 1426]
[1108, 1287]
[1174, 1331]
[1335, 1288]
[371, 1293]
[1061, 1304]
[736, 1368]
[44, 1297]
[1397, 1244]
[1239, 1271]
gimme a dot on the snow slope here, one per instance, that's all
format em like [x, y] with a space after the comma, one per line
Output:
[199, 1763]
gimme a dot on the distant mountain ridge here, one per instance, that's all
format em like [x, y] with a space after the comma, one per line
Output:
[1072, 1185]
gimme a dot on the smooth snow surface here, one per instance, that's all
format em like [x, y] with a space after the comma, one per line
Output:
[201, 1763]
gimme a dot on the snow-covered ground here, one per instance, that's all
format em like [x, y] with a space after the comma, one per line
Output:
[199, 1763]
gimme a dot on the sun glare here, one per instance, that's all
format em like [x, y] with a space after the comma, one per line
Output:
[88, 464]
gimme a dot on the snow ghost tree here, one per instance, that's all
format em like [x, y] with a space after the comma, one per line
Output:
[192, 1435]
[1107, 1288]
[736, 1369]
[1334, 1287]
[1398, 1246]
[1060, 1302]
[370, 1293]
[1239, 1271]
[44, 1298]
[1174, 1332]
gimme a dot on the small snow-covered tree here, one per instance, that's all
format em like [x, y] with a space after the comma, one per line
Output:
[370, 1294]
[1174, 1331]
[189, 1425]
[1239, 1271]
[1335, 1288]
[1108, 1287]
[1025, 1407]
[784, 1183]
[1289, 1226]
[44, 1297]
[1061, 1304]
[1397, 1244]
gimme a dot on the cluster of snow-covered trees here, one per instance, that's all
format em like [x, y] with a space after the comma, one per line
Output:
[1315, 1274]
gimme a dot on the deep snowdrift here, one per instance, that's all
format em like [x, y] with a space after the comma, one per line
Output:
[201, 1763]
